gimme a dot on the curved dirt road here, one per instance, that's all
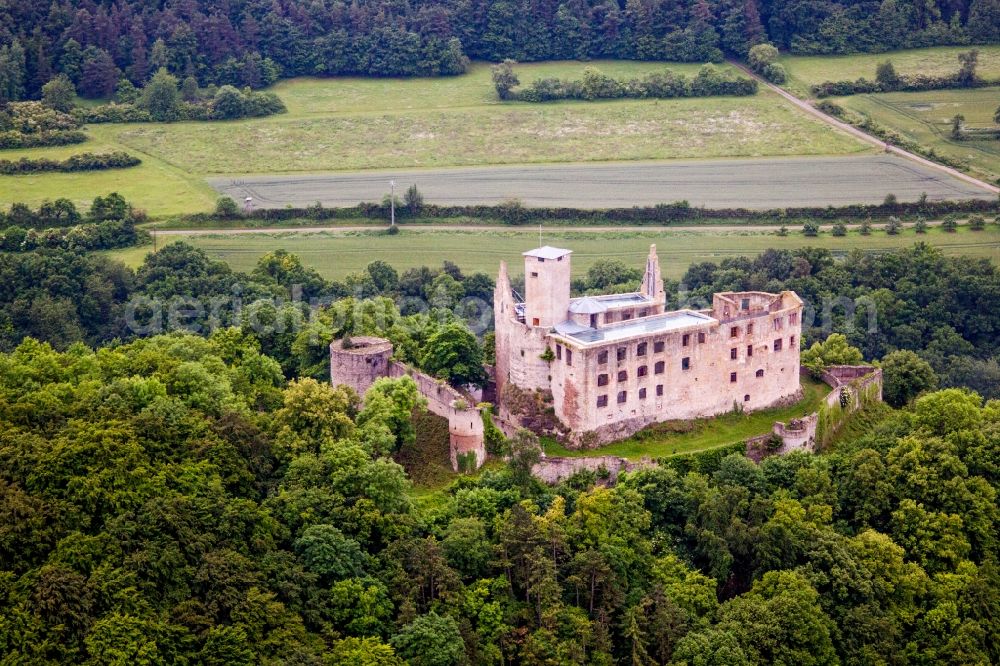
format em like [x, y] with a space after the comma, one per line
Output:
[864, 136]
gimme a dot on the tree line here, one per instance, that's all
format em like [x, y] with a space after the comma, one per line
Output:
[709, 82]
[252, 42]
[63, 298]
[888, 80]
[80, 162]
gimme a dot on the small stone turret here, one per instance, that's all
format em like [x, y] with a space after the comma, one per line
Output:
[467, 436]
[360, 363]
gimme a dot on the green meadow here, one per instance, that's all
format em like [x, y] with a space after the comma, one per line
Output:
[336, 254]
[805, 71]
[925, 117]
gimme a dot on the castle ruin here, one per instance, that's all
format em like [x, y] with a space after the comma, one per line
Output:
[616, 363]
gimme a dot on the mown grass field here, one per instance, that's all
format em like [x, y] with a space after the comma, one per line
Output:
[805, 71]
[517, 134]
[350, 123]
[706, 433]
[925, 117]
[336, 254]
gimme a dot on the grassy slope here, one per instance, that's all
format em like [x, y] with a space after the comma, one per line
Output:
[335, 254]
[925, 117]
[350, 123]
[804, 71]
[707, 433]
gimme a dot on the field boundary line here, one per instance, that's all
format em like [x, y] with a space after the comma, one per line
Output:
[526, 229]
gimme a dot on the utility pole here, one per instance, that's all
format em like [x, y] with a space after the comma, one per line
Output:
[392, 202]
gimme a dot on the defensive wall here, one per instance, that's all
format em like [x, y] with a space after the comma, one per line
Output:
[366, 359]
[853, 387]
[553, 469]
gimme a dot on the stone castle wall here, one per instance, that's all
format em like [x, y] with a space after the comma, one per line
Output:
[804, 434]
[465, 423]
[552, 470]
[370, 358]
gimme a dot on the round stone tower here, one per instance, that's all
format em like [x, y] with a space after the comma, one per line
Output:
[359, 364]
[467, 436]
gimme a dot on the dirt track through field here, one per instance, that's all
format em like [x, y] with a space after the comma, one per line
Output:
[864, 136]
[748, 183]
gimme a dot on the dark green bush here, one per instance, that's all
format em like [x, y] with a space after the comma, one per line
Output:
[81, 162]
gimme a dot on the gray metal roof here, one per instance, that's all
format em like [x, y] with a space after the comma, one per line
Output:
[547, 252]
[570, 327]
[622, 300]
[646, 325]
[587, 305]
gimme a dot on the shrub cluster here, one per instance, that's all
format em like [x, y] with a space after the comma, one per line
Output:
[960, 132]
[109, 223]
[14, 140]
[81, 162]
[106, 235]
[709, 82]
[34, 125]
[762, 59]
[227, 103]
[915, 83]
[112, 112]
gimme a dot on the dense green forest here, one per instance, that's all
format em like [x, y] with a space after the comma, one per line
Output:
[253, 42]
[175, 500]
[204, 496]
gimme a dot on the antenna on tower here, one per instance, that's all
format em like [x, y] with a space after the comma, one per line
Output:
[539, 234]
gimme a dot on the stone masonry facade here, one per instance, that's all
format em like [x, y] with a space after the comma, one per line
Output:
[617, 363]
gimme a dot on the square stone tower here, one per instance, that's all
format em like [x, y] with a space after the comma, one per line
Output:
[546, 286]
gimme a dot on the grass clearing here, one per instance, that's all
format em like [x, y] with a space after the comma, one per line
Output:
[619, 130]
[705, 433]
[343, 124]
[925, 117]
[335, 254]
[805, 71]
